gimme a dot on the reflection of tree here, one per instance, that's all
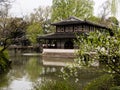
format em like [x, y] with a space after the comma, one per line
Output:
[22, 66]
[33, 69]
[18, 66]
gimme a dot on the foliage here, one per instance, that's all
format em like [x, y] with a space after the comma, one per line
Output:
[4, 62]
[39, 23]
[95, 19]
[102, 83]
[110, 7]
[62, 9]
[117, 79]
[104, 10]
[105, 82]
[114, 6]
[5, 6]
[10, 28]
[54, 85]
[113, 23]
[101, 47]
[41, 15]
[115, 88]
[12, 32]
[33, 31]
[17, 28]
[4, 34]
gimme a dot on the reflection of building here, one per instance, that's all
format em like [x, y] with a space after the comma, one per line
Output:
[66, 31]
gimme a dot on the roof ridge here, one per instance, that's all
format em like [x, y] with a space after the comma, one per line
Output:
[73, 17]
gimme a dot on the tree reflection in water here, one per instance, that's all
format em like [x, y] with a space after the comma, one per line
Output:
[33, 69]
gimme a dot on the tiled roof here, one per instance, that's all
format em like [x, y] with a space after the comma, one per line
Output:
[70, 20]
[74, 20]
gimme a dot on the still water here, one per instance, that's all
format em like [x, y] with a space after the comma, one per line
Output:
[26, 69]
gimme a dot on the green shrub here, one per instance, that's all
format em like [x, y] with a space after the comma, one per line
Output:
[115, 88]
[102, 83]
[4, 62]
[117, 79]
[54, 85]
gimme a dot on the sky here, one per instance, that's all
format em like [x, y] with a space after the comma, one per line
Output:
[21, 8]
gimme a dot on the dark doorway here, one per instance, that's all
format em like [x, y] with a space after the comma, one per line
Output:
[68, 45]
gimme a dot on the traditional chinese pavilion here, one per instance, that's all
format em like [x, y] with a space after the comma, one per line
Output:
[66, 30]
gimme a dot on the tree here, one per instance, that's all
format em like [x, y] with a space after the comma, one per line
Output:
[18, 28]
[39, 23]
[9, 30]
[40, 14]
[62, 9]
[4, 21]
[114, 6]
[113, 23]
[107, 15]
[105, 11]
[101, 47]
[13, 32]
[33, 31]
[109, 7]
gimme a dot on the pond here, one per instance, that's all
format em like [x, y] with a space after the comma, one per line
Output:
[27, 69]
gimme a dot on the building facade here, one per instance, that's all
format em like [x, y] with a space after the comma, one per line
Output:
[66, 31]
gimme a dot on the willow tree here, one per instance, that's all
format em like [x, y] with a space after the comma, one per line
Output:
[62, 9]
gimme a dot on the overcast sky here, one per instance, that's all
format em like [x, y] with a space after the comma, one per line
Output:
[23, 7]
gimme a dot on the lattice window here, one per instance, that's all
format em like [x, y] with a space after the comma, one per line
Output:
[69, 29]
[77, 28]
[60, 29]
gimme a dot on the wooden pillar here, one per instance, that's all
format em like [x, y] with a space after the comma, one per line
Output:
[60, 44]
[46, 43]
[82, 27]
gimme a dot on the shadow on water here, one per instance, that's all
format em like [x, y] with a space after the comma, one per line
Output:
[27, 70]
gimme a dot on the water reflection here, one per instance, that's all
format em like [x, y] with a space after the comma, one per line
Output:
[4, 80]
[20, 84]
[47, 61]
[33, 68]
[26, 70]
